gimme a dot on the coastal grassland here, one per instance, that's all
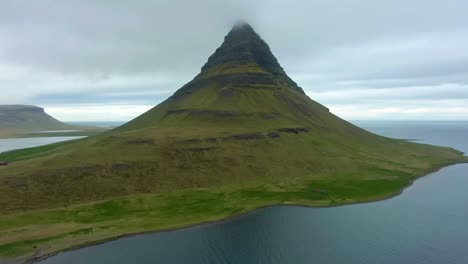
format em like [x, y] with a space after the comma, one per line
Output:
[56, 229]
[114, 165]
[28, 153]
[208, 193]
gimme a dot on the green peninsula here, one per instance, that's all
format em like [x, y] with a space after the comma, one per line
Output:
[240, 135]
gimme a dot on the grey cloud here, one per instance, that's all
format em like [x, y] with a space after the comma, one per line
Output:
[393, 96]
[108, 37]
[151, 98]
[102, 48]
[104, 37]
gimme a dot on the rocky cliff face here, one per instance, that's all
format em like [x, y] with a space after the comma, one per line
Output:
[243, 46]
[243, 58]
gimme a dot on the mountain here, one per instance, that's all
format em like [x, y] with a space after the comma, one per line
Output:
[241, 120]
[240, 135]
[28, 118]
[241, 86]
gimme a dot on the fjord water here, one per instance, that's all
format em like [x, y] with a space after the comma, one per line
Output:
[426, 224]
[7, 144]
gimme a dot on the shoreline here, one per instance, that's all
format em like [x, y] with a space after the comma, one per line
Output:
[37, 256]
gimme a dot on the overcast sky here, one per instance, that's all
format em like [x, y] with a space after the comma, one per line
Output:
[112, 60]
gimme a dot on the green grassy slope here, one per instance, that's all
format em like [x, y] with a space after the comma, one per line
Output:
[240, 135]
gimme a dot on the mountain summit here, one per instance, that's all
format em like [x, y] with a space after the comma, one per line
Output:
[243, 51]
[242, 46]
[241, 85]
[242, 129]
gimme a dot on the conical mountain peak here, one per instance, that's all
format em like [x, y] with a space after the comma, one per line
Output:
[245, 52]
[242, 85]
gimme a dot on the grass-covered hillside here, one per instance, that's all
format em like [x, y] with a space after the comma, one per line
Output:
[240, 135]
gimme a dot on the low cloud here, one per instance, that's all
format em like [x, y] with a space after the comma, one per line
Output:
[391, 58]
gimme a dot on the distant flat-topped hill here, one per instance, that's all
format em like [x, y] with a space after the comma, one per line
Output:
[16, 120]
[28, 117]
[240, 135]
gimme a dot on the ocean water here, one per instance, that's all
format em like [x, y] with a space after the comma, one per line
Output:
[427, 223]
